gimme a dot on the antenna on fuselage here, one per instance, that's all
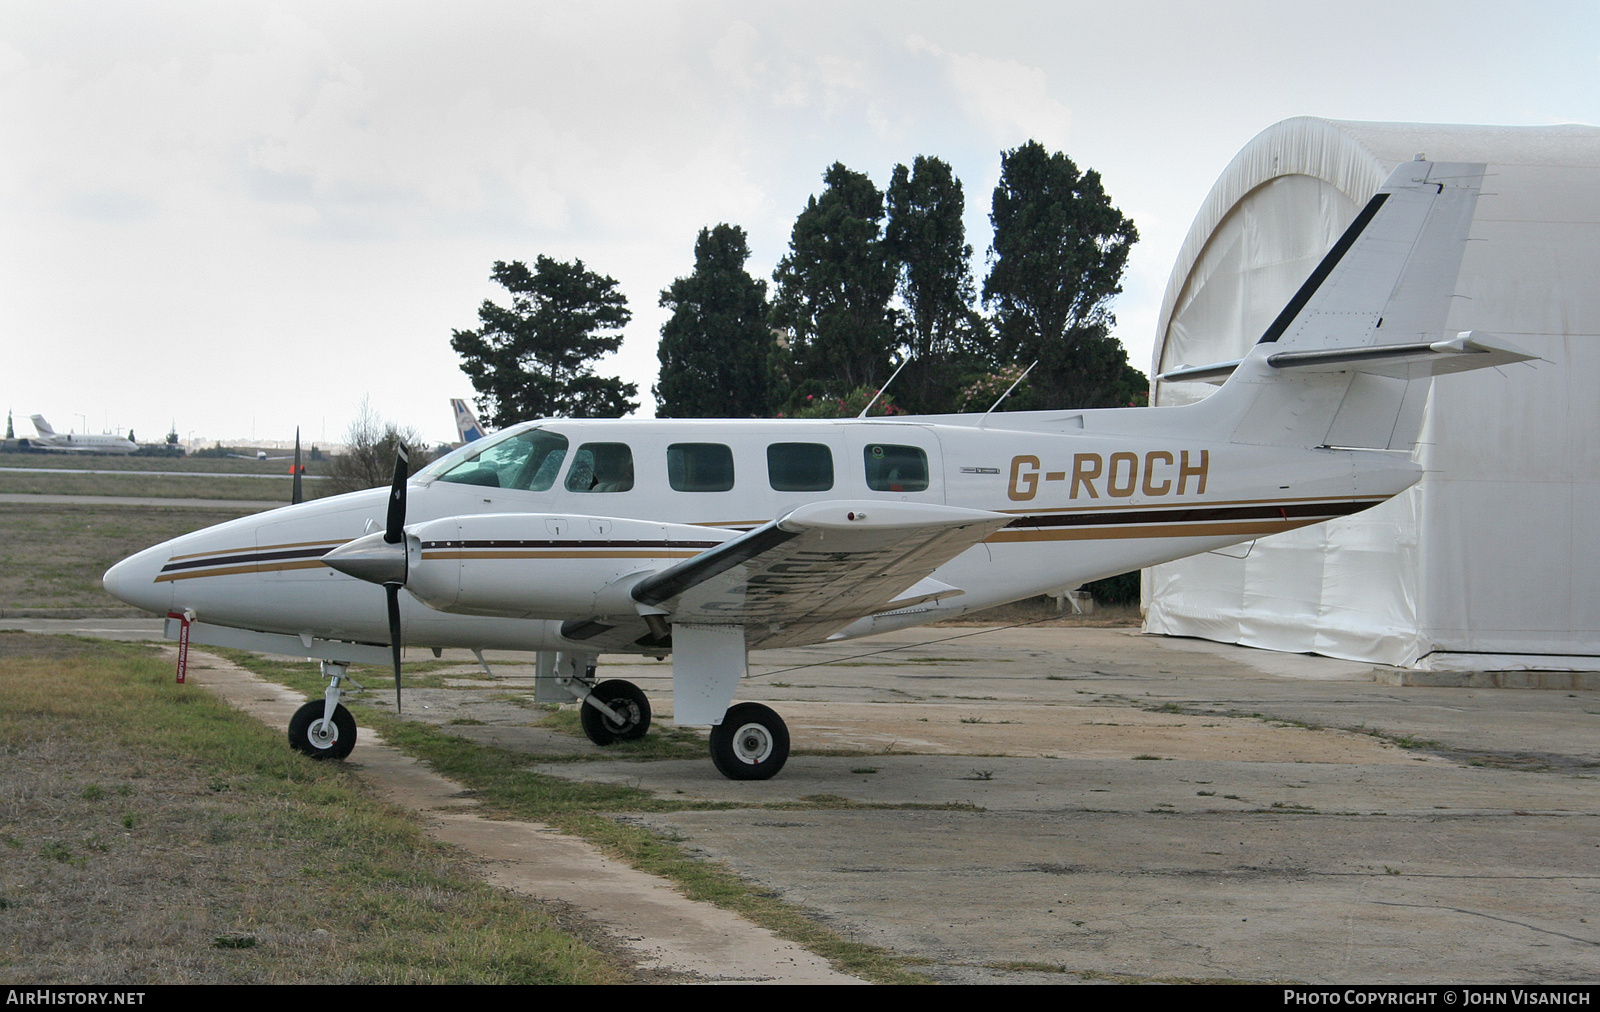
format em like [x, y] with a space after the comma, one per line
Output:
[297, 495]
[881, 389]
[1003, 396]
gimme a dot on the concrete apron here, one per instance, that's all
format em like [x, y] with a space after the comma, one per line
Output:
[669, 931]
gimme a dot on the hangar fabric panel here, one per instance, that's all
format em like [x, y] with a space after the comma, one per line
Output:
[1493, 560]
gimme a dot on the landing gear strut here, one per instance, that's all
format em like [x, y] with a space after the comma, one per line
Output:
[610, 711]
[751, 743]
[629, 705]
[323, 728]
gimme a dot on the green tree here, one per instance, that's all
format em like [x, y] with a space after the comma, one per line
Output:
[1059, 251]
[927, 242]
[833, 290]
[370, 446]
[536, 358]
[714, 348]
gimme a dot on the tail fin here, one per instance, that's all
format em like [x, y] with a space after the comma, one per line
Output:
[1389, 278]
[1346, 362]
[42, 427]
[466, 422]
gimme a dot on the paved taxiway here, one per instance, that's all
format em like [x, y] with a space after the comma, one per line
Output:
[1140, 807]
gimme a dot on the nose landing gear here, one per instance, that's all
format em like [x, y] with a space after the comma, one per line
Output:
[312, 734]
[323, 728]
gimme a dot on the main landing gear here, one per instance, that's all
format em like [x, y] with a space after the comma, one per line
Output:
[751, 743]
[628, 720]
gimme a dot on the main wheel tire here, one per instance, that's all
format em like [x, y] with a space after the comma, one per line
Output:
[628, 700]
[751, 743]
[310, 735]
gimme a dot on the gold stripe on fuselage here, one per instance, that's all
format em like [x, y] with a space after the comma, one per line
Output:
[1260, 528]
[258, 548]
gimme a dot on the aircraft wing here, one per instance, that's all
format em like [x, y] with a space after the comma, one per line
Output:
[816, 569]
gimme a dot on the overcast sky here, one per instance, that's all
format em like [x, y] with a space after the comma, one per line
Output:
[239, 217]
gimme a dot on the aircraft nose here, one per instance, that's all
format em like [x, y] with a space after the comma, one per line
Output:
[133, 580]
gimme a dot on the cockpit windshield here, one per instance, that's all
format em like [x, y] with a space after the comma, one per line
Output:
[527, 460]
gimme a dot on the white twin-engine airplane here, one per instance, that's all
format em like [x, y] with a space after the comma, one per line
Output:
[704, 539]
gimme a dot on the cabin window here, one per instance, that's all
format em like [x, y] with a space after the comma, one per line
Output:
[601, 467]
[528, 461]
[699, 467]
[896, 468]
[800, 467]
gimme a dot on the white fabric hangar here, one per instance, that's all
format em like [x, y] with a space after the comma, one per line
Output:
[1492, 562]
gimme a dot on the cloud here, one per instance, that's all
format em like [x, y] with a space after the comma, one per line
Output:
[1010, 100]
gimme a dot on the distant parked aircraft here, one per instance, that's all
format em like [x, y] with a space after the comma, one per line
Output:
[72, 442]
[466, 422]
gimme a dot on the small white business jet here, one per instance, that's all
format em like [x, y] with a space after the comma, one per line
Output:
[72, 442]
[704, 539]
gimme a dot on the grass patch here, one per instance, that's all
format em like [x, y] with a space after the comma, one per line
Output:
[53, 556]
[225, 833]
[158, 486]
[135, 464]
[500, 781]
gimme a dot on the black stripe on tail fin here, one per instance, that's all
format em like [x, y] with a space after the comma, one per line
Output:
[1318, 276]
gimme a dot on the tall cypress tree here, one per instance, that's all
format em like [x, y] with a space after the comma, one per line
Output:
[833, 290]
[1059, 251]
[927, 241]
[715, 347]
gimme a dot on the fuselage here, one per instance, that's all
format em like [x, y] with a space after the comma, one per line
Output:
[82, 443]
[1093, 494]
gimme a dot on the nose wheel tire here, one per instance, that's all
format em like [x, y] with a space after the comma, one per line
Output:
[630, 704]
[310, 734]
[751, 743]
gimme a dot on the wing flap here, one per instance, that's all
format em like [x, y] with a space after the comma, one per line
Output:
[816, 569]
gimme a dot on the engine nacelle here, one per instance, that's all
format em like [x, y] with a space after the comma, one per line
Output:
[541, 565]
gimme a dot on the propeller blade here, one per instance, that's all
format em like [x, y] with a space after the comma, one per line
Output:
[296, 496]
[392, 591]
[394, 533]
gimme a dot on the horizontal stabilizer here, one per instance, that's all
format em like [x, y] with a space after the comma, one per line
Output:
[1470, 349]
[1213, 373]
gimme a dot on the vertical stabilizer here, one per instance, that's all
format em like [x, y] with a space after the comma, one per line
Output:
[466, 422]
[1389, 278]
[42, 427]
[1388, 281]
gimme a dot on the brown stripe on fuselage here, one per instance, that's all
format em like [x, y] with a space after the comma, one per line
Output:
[271, 567]
[1198, 514]
[1110, 507]
[557, 554]
[1257, 529]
